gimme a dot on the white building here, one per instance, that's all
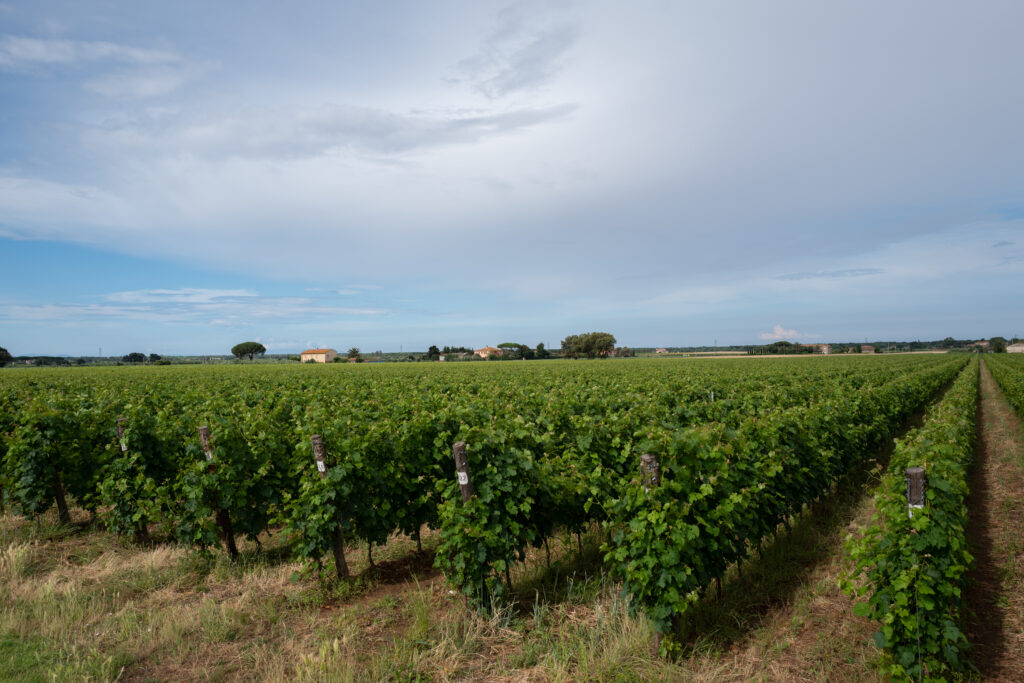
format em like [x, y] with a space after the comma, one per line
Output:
[318, 355]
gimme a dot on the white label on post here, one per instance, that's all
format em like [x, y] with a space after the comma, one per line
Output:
[209, 456]
[463, 478]
[320, 466]
[124, 445]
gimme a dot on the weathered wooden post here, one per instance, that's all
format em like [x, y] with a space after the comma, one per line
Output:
[462, 470]
[650, 471]
[338, 546]
[120, 434]
[204, 441]
[915, 489]
[466, 488]
[62, 502]
[650, 475]
[221, 516]
[141, 528]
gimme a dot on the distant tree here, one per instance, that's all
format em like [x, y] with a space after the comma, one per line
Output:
[249, 348]
[572, 346]
[541, 352]
[154, 357]
[998, 344]
[455, 349]
[624, 352]
[433, 353]
[134, 357]
[515, 351]
[781, 347]
[591, 345]
[353, 352]
[5, 357]
[50, 360]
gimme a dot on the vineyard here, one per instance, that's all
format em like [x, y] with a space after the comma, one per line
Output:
[683, 471]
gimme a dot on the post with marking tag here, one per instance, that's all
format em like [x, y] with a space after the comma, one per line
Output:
[120, 434]
[466, 486]
[915, 490]
[649, 471]
[221, 516]
[462, 470]
[338, 545]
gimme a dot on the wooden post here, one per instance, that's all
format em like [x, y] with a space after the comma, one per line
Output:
[650, 474]
[462, 469]
[319, 454]
[204, 441]
[221, 516]
[915, 489]
[62, 503]
[462, 473]
[141, 528]
[120, 435]
[650, 471]
[338, 546]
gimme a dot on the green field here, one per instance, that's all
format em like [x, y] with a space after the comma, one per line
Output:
[746, 451]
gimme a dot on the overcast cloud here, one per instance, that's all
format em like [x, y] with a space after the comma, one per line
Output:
[672, 172]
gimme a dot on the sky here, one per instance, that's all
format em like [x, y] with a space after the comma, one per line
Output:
[178, 177]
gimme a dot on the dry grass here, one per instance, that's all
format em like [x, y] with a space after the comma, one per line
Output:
[79, 606]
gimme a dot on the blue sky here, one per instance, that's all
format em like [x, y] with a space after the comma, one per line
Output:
[178, 177]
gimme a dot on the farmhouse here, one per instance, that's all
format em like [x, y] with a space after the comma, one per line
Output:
[318, 355]
[1015, 348]
[488, 351]
[818, 348]
[661, 350]
[866, 348]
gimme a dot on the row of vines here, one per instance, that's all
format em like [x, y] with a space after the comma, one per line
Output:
[1008, 372]
[912, 563]
[741, 446]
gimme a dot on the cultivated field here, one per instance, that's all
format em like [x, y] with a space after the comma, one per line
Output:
[318, 529]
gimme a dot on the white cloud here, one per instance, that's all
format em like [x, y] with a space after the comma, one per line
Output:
[112, 70]
[238, 307]
[516, 56]
[184, 295]
[780, 333]
[288, 133]
[138, 84]
[831, 274]
[15, 50]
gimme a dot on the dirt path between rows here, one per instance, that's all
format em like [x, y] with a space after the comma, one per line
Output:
[995, 594]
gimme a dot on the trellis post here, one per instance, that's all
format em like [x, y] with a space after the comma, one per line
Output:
[221, 515]
[338, 545]
[915, 477]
